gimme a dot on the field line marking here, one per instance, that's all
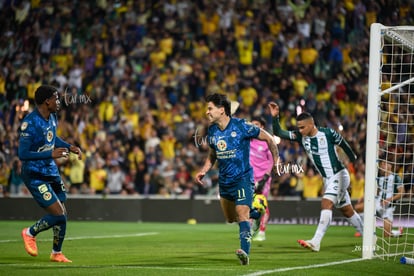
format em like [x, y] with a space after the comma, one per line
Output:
[264, 272]
[42, 265]
[93, 237]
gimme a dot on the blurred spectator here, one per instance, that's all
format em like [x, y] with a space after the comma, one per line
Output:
[76, 173]
[357, 184]
[146, 187]
[98, 178]
[4, 177]
[312, 184]
[15, 182]
[115, 179]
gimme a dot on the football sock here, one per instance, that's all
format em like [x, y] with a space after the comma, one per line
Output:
[45, 223]
[324, 222]
[395, 233]
[356, 221]
[59, 232]
[361, 215]
[245, 236]
[28, 232]
[254, 214]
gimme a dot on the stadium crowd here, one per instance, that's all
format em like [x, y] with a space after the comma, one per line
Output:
[133, 76]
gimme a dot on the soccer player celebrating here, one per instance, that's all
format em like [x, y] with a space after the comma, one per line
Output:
[319, 144]
[229, 145]
[262, 162]
[38, 147]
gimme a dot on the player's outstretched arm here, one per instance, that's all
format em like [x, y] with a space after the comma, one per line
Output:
[277, 130]
[25, 153]
[274, 109]
[348, 150]
[271, 143]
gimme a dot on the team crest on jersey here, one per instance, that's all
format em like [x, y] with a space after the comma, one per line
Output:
[47, 196]
[322, 141]
[233, 134]
[24, 126]
[49, 136]
[222, 145]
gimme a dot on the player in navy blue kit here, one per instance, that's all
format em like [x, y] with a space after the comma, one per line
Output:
[229, 142]
[38, 147]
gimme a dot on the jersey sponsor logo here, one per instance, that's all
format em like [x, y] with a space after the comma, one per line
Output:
[42, 188]
[47, 196]
[49, 136]
[222, 145]
[24, 126]
[45, 148]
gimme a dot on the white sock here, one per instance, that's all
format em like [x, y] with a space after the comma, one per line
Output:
[356, 221]
[395, 233]
[28, 232]
[361, 215]
[324, 222]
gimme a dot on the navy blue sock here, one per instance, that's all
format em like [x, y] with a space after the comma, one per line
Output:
[46, 223]
[59, 232]
[245, 236]
[254, 214]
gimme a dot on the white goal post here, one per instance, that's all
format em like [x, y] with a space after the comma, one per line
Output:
[390, 106]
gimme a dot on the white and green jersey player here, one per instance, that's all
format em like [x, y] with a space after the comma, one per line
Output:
[390, 189]
[320, 145]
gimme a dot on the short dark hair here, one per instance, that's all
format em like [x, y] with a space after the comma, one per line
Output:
[220, 100]
[259, 119]
[43, 93]
[304, 116]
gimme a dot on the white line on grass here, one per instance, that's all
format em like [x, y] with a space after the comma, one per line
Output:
[264, 272]
[71, 265]
[94, 237]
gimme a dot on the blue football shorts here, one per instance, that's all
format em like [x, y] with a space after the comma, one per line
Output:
[240, 191]
[46, 190]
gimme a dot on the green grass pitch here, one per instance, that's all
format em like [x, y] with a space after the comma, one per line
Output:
[117, 248]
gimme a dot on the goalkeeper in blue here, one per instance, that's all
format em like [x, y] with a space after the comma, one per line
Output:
[320, 145]
[229, 144]
[38, 148]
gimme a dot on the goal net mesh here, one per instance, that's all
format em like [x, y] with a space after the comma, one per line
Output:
[395, 144]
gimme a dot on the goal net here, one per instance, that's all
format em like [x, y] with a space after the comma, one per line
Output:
[388, 212]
